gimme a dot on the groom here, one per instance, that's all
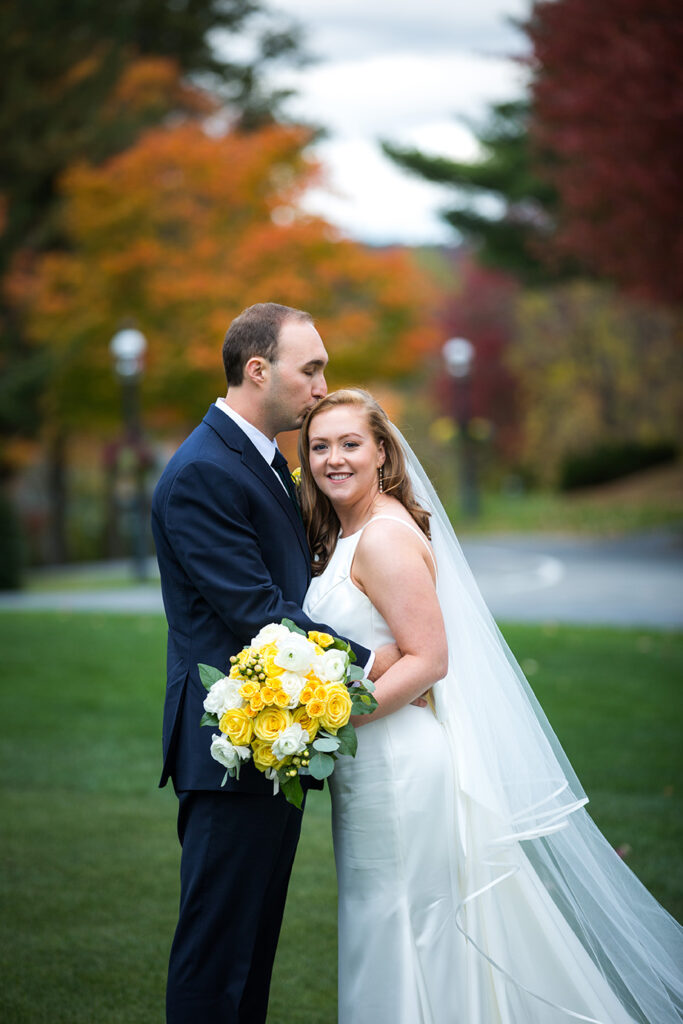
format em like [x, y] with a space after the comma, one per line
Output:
[233, 557]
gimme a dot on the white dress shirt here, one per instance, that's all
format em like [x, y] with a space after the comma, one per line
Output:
[267, 448]
[263, 444]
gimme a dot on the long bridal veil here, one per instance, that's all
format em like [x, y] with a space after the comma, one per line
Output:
[521, 811]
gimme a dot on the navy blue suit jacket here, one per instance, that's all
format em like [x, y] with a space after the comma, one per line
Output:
[233, 557]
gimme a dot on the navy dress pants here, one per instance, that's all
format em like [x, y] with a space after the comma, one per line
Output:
[237, 856]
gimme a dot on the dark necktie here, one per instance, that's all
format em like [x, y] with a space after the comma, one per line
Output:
[280, 466]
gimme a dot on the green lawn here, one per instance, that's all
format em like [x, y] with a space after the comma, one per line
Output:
[579, 514]
[89, 853]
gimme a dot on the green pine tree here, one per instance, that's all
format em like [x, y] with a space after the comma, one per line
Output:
[508, 234]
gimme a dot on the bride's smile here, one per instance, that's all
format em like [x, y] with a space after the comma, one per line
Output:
[345, 460]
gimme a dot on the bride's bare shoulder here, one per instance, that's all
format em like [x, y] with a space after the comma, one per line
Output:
[393, 557]
[386, 535]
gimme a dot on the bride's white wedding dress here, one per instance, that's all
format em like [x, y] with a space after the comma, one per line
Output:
[413, 841]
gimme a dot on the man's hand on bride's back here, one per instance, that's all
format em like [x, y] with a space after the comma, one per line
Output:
[385, 657]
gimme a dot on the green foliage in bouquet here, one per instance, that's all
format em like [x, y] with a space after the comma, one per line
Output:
[286, 703]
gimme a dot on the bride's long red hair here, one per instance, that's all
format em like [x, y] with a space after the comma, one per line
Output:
[320, 519]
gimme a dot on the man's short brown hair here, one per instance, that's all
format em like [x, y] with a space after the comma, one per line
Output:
[255, 332]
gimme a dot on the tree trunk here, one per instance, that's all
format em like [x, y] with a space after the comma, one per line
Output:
[57, 491]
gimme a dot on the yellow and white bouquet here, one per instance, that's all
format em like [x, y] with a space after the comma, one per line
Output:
[286, 704]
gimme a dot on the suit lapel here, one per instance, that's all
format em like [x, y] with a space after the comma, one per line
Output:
[236, 439]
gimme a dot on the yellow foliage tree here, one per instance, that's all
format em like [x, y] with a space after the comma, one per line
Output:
[181, 232]
[593, 368]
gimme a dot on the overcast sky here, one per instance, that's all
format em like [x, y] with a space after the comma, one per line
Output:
[405, 71]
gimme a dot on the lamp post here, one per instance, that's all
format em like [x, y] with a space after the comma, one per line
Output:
[458, 354]
[128, 348]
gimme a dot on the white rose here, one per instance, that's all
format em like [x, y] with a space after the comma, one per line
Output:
[331, 666]
[223, 696]
[291, 740]
[223, 751]
[295, 653]
[269, 635]
[292, 683]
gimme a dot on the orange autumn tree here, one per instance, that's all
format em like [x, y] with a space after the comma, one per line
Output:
[181, 232]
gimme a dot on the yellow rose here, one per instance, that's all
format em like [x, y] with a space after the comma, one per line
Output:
[307, 693]
[338, 710]
[238, 725]
[302, 716]
[263, 755]
[248, 710]
[235, 672]
[270, 722]
[296, 476]
[256, 702]
[249, 690]
[321, 692]
[243, 657]
[268, 655]
[268, 694]
[323, 639]
[281, 699]
[315, 708]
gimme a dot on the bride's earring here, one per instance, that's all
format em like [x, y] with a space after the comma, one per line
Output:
[380, 473]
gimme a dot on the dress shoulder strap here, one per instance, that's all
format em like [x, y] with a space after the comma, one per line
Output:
[408, 526]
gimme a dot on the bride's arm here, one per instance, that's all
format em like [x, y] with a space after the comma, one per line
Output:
[393, 567]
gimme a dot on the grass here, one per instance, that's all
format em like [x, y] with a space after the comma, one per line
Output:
[90, 576]
[643, 501]
[584, 514]
[78, 581]
[89, 855]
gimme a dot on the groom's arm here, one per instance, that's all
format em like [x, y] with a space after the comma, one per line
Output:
[207, 520]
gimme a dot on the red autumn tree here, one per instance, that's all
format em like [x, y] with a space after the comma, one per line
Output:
[607, 92]
[482, 309]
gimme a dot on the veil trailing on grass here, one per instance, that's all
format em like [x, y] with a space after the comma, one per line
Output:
[519, 803]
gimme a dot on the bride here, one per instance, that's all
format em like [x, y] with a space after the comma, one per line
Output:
[473, 886]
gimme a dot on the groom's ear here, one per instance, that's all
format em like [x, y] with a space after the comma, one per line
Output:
[256, 370]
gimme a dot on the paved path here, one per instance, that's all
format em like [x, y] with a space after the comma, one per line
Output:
[632, 581]
[627, 582]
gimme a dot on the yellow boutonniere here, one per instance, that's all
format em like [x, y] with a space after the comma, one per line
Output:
[296, 476]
